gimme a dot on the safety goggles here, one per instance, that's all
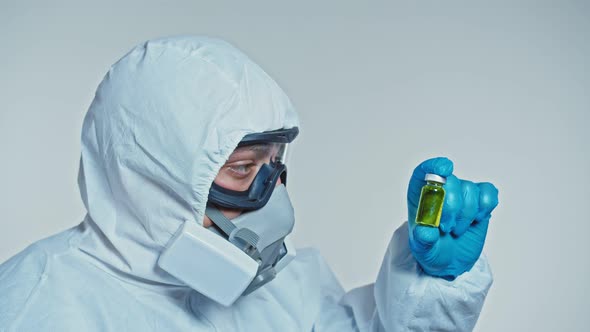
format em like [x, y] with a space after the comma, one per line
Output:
[247, 180]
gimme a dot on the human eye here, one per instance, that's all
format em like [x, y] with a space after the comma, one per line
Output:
[241, 170]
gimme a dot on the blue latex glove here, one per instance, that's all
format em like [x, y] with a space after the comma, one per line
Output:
[455, 246]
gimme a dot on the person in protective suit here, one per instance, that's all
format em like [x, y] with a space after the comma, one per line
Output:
[188, 218]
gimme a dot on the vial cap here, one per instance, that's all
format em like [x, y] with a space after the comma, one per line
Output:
[435, 178]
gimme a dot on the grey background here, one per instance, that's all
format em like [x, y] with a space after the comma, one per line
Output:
[502, 88]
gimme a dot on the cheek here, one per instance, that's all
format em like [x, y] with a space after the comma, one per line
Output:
[207, 222]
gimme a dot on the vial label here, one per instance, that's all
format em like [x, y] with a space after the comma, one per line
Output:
[430, 206]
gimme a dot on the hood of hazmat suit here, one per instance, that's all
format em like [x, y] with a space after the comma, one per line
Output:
[164, 120]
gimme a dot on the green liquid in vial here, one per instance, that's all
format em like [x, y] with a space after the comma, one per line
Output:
[430, 206]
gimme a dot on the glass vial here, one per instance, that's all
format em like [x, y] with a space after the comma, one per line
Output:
[431, 202]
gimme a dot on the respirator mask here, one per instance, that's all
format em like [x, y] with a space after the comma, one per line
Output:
[236, 256]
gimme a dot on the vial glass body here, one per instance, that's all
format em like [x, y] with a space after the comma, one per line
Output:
[430, 206]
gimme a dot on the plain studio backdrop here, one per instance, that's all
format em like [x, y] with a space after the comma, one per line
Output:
[503, 89]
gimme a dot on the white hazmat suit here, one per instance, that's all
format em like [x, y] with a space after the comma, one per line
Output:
[163, 121]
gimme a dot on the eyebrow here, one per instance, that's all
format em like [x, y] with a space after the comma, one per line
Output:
[261, 147]
[260, 150]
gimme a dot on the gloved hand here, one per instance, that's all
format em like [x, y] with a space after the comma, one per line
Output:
[455, 246]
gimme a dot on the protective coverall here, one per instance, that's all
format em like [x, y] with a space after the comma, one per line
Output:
[163, 121]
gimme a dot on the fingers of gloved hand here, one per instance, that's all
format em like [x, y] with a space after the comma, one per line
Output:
[452, 205]
[424, 238]
[470, 208]
[479, 229]
[488, 200]
[441, 166]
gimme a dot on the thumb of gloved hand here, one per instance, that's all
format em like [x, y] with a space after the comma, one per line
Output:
[424, 238]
